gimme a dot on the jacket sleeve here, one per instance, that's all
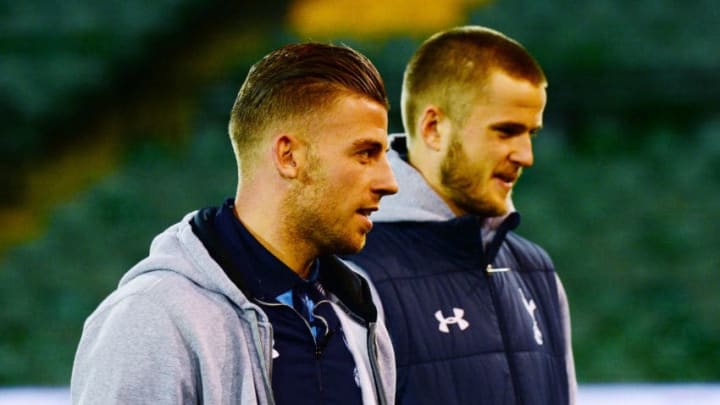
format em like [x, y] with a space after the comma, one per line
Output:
[569, 359]
[131, 351]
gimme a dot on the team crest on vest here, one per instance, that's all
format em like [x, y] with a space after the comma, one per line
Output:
[456, 319]
[530, 307]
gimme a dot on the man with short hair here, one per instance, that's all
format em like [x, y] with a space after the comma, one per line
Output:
[246, 302]
[476, 313]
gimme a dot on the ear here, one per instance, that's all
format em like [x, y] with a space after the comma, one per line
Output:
[431, 127]
[286, 153]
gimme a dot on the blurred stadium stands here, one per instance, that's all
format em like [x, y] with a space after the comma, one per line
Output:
[113, 119]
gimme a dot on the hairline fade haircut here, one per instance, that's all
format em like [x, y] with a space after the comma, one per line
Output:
[450, 70]
[294, 84]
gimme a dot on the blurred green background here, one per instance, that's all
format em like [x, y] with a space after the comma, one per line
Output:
[113, 125]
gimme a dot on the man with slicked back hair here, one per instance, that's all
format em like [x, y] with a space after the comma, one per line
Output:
[246, 302]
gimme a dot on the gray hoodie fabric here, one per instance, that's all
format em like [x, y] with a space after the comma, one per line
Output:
[417, 202]
[178, 331]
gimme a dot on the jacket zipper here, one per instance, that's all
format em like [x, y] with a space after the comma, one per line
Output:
[372, 356]
[371, 349]
[490, 255]
[318, 347]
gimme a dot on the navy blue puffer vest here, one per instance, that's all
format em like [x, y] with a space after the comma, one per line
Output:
[468, 326]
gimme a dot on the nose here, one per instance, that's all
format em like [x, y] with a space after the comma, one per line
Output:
[522, 153]
[385, 183]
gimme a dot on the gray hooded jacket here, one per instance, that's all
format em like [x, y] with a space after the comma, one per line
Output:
[178, 331]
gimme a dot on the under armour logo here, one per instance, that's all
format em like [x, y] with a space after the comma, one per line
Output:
[457, 319]
[531, 307]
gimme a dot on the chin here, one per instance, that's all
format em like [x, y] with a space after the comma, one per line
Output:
[356, 248]
[500, 206]
[348, 247]
[501, 211]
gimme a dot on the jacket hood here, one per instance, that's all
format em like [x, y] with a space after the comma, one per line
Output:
[416, 200]
[179, 250]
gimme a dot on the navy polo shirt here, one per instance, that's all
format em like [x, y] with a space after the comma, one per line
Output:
[311, 361]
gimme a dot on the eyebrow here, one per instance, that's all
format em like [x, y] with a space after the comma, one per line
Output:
[515, 127]
[362, 143]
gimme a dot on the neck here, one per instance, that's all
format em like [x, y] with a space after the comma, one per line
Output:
[430, 171]
[256, 211]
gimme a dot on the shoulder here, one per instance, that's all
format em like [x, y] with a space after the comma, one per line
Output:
[391, 250]
[161, 303]
[419, 250]
[529, 254]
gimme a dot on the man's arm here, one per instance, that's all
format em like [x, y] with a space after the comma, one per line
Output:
[131, 351]
[569, 359]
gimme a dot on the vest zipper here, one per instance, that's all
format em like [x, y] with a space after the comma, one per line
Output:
[503, 334]
[489, 254]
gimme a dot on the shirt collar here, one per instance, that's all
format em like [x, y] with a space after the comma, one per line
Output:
[264, 275]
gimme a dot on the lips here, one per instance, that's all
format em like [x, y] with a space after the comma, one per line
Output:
[366, 211]
[507, 177]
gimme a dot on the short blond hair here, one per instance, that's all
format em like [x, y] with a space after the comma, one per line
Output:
[451, 68]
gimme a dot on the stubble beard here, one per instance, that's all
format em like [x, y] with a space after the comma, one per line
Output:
[459, 182]
[314, 222]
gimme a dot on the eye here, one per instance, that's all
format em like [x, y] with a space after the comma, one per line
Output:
[510, 130]
[365, 155]
[367, 151]
[506, 132]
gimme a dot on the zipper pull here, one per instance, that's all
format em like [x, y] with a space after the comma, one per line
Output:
[490, 269]
[322, 343]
